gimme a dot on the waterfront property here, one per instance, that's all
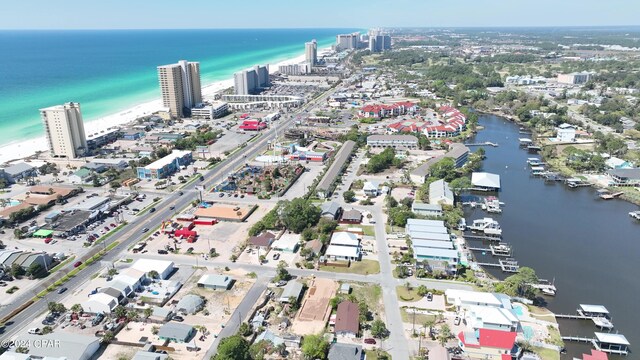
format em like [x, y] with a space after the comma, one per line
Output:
[166, 166]
[489, 344]
[458, 152]
[611, 343]
[440, 193]
[434, 210]
[624, 177]
[485, 181]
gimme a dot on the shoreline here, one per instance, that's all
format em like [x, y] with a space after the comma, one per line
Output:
[573, 174]
[22, 149]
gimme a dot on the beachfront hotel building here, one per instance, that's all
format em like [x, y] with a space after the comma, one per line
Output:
[64, 130]
[180, 86]
[311, 52]
[251, 81]
[347, 41]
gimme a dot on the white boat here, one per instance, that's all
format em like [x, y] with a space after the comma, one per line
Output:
[487, 225]
[548, 291]
[635, 214]
[462, 224]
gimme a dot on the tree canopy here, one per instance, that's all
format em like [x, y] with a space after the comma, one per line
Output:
[299, 214]
[233, 348]
[314, 347]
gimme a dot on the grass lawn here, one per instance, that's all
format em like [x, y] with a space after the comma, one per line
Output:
[373, 354]
[541, 313]
[364, 267]
[370, 294]
[405, 294]
[629, 193]
[546, 354]
[370, 230]
[407, 317]
[554, 336]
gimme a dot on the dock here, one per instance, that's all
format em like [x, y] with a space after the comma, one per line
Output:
[482, 237]
[606, 196]
[500, 250]
[508, 266]
[578, 339]
[575, 183]
[486, 143]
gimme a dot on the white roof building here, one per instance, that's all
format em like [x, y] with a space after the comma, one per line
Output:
[130, 277]
[493, 318]
[100, 303]
[163, 267]
[160, 163]
[440, 193]
[485, 180]
[343, 252]
[65, 345]
[465, 298]
[287, 242]
[343, 238]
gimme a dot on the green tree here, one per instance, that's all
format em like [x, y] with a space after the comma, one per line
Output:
[349, 196]
[154, 274]
[245, 329]
[233, 348]
[444, 169]
[120, 311]
[326, 226]
[444, 335]
[422, 290]
[47, 330]
[519, 284]
[459, 184]
[16, 270]
[35, 270]
[76, 309]
[147, 312]
[281, 272]
[56, 307]
[258, 350]
[429, 324]
[379, 329]
[299, 214]
[108, 337]
[314, 347]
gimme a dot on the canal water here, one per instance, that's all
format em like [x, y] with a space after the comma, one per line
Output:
[589, 246]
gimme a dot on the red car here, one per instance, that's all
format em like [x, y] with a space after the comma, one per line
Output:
[113, 225]
[77, 263]
[371, 341]
[47, 240]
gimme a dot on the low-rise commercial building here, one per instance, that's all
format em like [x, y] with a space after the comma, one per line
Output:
[166, 166]
[326, 185]
[393, 141]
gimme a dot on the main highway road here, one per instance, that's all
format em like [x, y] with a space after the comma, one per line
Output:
[133, 231]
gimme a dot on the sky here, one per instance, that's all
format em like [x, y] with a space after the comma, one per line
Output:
[191, 14]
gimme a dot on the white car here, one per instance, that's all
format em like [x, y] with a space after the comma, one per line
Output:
[34, 331]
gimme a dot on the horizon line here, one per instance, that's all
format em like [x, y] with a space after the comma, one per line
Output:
[329, 28]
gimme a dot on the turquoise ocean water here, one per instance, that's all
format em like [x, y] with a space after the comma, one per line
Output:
[110, 71]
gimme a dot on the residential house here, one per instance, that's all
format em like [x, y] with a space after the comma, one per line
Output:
[440, 193]
[262, 241]
[339, 351]
[352, 216]
[190, 304]
[343, 246]
[566, 133]
[81, 176]
[624, 177]
[347, 319]
[215, 282]
[489, 344]
[100, 303]
[293, 289]
[331, 210]
[18, 172]
[287, 243]
[176, 332]
[432, 210]
[371, 188]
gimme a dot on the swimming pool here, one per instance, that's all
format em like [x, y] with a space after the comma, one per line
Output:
[528, 332]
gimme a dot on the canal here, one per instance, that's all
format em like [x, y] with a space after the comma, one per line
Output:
[589, 246]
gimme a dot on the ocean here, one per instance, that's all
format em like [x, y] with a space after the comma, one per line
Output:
[108, 71]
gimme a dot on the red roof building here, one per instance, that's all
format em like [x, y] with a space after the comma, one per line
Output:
[489, 344]
[347, 319]
[252, 125]
[595, 355]
[185, 233]
[449, 123]
[382, 111]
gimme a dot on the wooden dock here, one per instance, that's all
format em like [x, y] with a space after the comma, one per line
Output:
[508, 266]
[578, 339]
[610, 196]
[482, 237]
[569, 316]
[486, 143]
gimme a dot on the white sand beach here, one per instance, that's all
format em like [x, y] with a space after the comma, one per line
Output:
[22, 149]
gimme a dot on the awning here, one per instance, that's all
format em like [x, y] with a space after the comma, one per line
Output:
[43, 233]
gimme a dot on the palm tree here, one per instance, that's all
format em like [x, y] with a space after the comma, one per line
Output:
[77, 308]
[444, 335]
[147, 313]
[132, 315]
[120, 311]
[430, 323]
[153, 274]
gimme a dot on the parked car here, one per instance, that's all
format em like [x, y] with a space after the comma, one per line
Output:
[457, 321]
[47, 240]
[152, 210]
[61, 290]
[371, 341]
[276, 256]
[77, 263]
[177, 318]
[97, 320]
[429, 296]
[35, 331]
[162, 252]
